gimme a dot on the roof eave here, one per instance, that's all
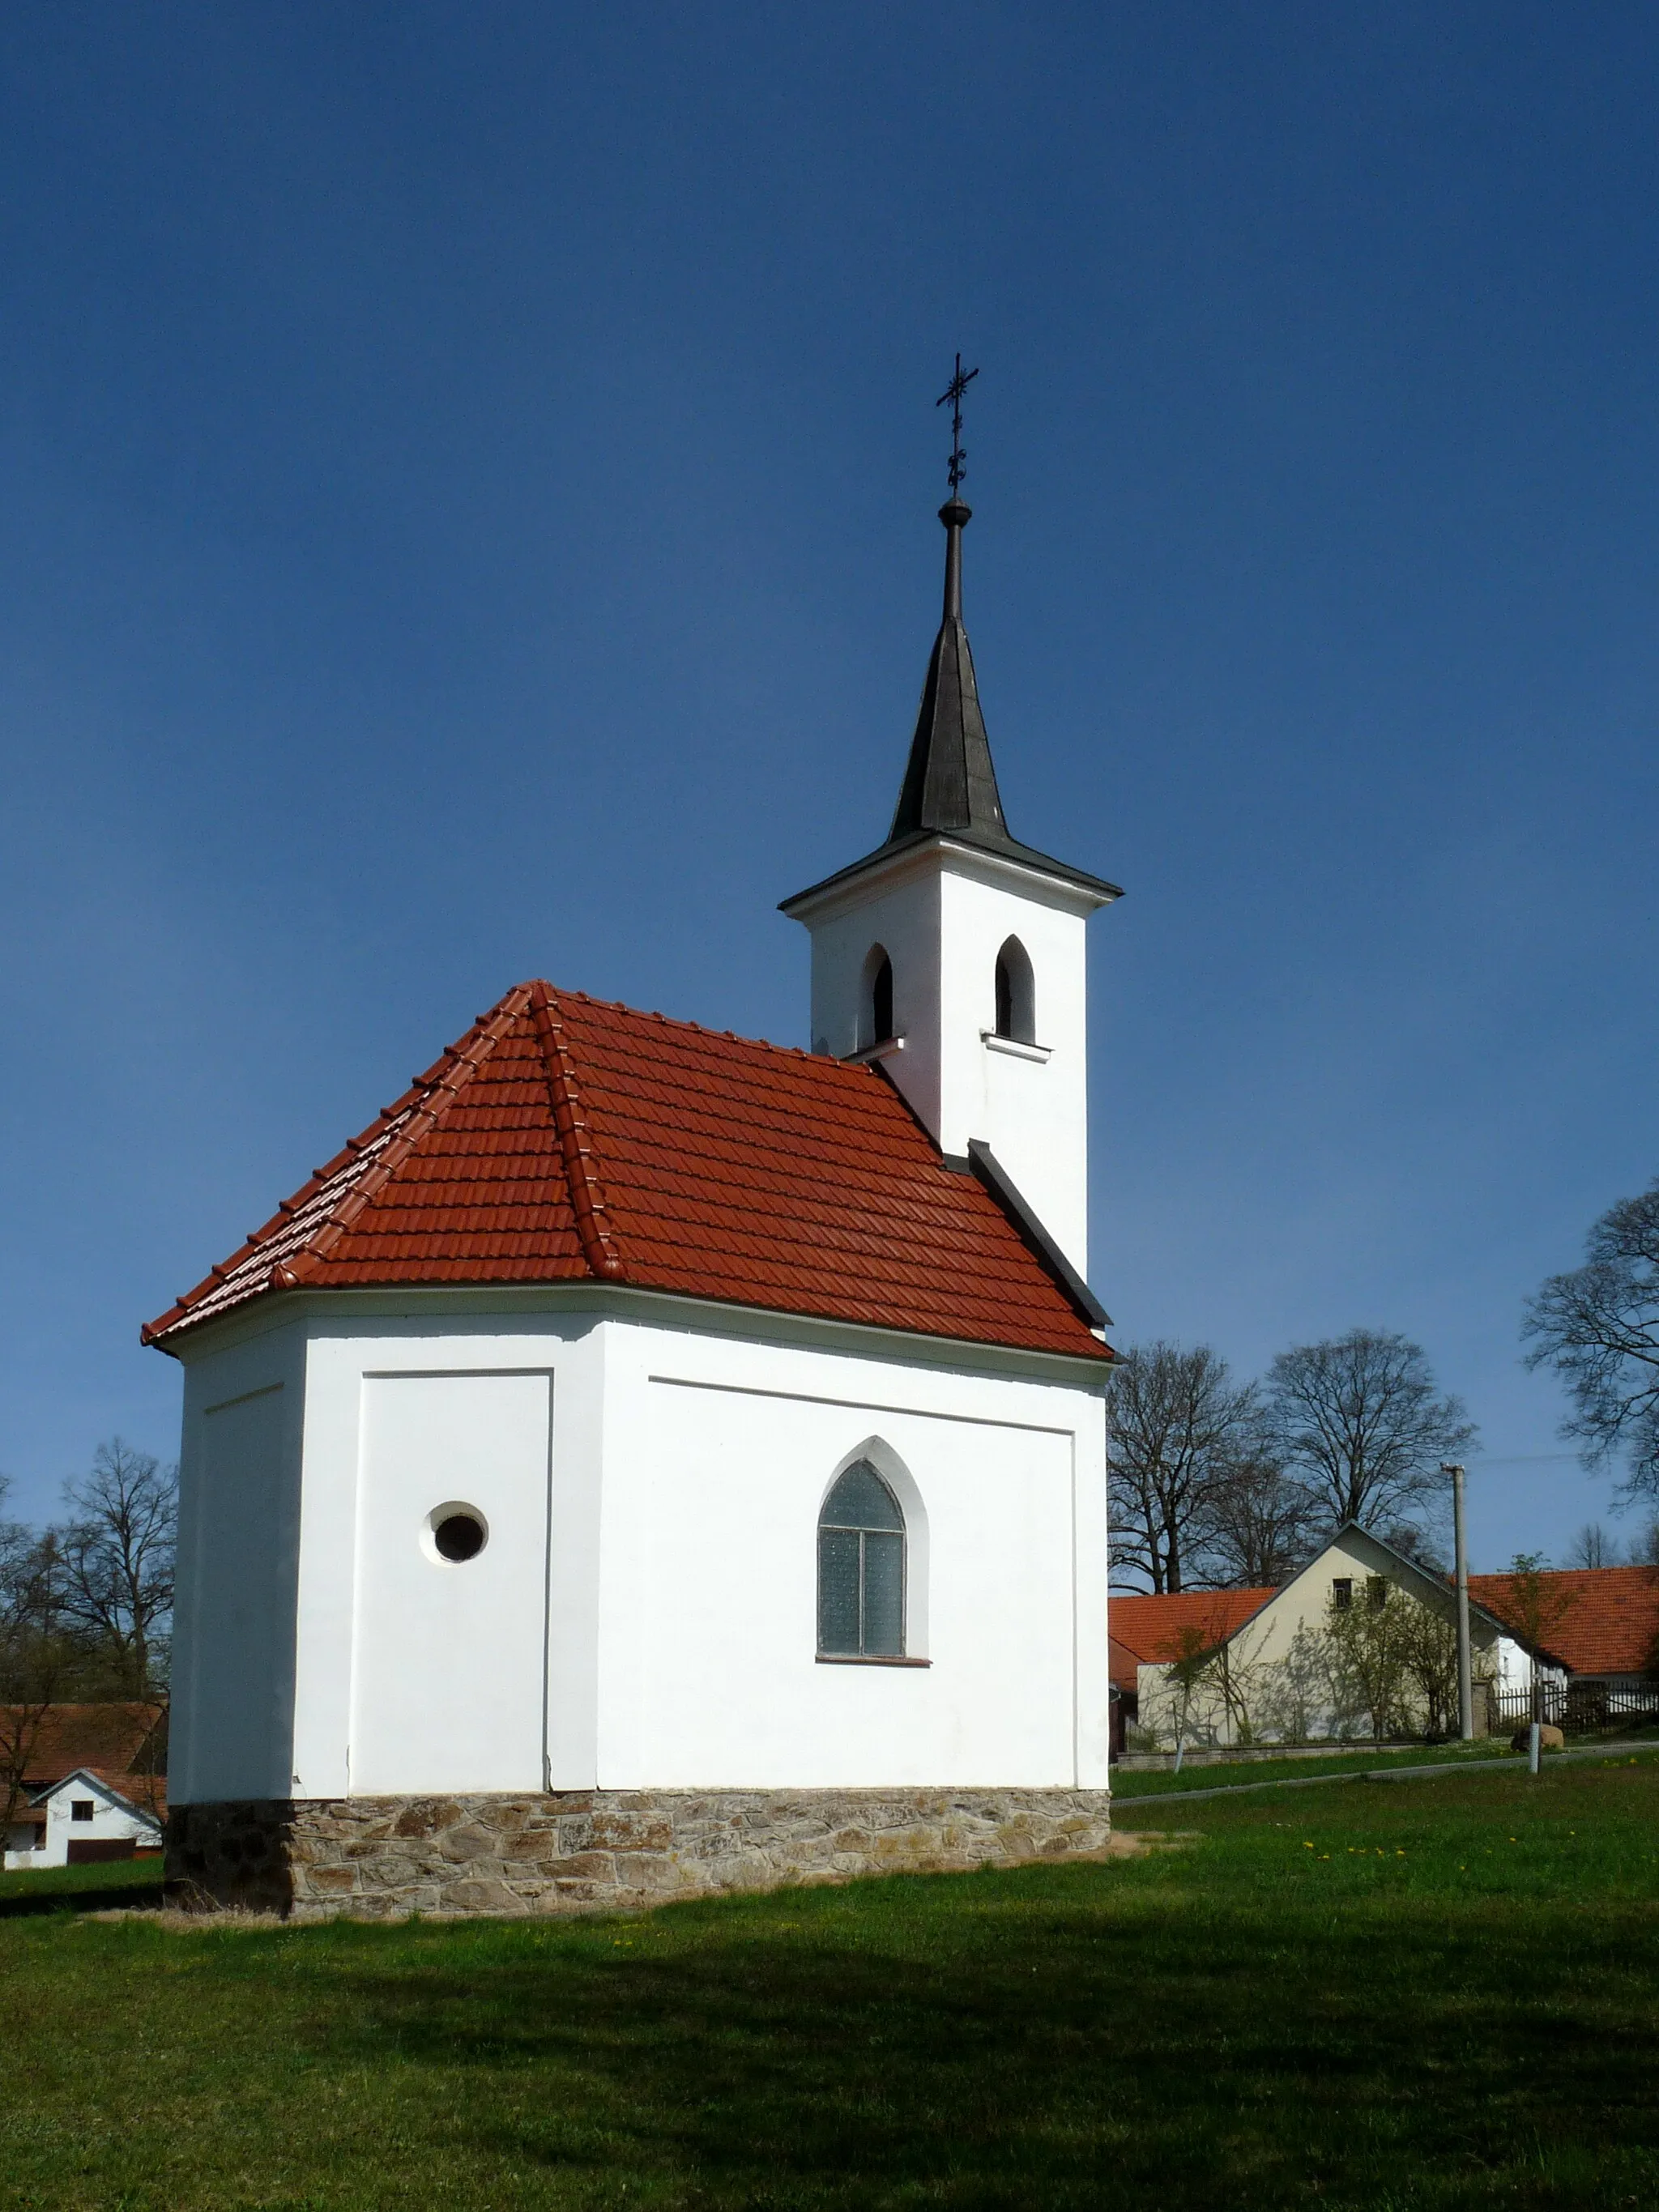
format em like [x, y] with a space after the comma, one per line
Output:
[270, 1309]
[1025, 859]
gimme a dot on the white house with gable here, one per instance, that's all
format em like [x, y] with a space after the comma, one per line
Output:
[79, 1821]
[647, 1460]
[1228, 1668]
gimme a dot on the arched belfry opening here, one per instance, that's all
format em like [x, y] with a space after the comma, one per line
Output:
[876, 1017]
[1015, 995]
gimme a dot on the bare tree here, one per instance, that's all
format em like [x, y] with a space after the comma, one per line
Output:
[1592, 1546]
[118, 1555]
[1599, 1329]
[1176, 1422]
[1260, 1526]
[1415, 1543]
[34, 1650]
[1362, 1421]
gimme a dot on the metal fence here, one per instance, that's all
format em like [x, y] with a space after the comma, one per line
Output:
[1579, 1708]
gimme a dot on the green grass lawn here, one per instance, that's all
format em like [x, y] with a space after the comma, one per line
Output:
[121, 1883]
[1432, 1995]
[1159, 1781]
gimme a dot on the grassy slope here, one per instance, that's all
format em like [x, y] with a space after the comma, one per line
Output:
[1432, 1996]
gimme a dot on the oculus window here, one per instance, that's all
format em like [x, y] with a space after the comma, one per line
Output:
[861, 1569]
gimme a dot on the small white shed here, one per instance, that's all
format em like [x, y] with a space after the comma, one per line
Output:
[77, 1822]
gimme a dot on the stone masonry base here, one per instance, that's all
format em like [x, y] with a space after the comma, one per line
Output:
[602, 1850]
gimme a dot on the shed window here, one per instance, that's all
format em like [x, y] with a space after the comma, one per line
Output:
[80, 1808]
[861, 1569]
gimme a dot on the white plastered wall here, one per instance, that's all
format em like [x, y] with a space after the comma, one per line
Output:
[232, 1720]
[672, 1528]
[718, 1456]
[942, 915]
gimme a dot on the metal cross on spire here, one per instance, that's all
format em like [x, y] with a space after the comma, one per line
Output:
[953, 392]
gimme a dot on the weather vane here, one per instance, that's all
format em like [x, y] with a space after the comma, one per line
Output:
[953, 393]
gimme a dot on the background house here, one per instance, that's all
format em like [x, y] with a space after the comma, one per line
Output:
[1597, 1636]
[80, 1820]
[1238, 1666]
[1229, 1667]
[1146, 1631]
[127, 1742]
[122, 1746]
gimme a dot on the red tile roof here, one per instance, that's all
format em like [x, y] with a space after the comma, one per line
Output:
[145, 1793]
[1596, 1620]
[109, 1739]
[1150, 1628]
[567, 1140]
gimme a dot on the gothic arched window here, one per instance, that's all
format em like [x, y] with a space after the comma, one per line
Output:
[1015, 995]
[861, 1569]
[878, 1014]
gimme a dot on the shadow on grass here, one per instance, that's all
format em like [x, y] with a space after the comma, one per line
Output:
[51, 1892]
[1010, 2043]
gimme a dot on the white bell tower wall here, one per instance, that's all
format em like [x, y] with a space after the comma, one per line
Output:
[942, 915]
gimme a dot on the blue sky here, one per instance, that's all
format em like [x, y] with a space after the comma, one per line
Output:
[470, 486]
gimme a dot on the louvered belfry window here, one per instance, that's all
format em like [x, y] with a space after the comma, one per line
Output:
[861, 1569]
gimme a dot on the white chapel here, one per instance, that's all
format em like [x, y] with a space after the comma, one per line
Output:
[648, 1461]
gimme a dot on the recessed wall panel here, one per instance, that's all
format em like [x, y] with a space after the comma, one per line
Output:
[449, 1653]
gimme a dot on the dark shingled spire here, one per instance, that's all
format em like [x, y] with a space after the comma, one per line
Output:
[950, 784]
[950, 787]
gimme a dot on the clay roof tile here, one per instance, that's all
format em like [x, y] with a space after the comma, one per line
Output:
[564, 1138]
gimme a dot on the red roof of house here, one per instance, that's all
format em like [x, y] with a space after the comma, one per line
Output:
[145, 1793]
[567, 1140]
[107, 1738]
[1149, 1629]
[1596, 1620]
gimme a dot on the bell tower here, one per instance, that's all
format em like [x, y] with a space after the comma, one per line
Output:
[955, 955]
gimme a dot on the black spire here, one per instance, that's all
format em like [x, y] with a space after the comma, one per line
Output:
[950, 783]
[950, 787]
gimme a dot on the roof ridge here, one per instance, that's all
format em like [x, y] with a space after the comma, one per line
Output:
[581, 1169]
[683, 1022]
[459, 1064]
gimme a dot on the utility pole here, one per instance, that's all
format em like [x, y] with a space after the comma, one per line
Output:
[1465, 1665]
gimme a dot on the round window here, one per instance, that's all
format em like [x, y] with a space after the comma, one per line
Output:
[456, 1533]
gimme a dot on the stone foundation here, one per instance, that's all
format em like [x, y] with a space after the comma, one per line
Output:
[602, 1849]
